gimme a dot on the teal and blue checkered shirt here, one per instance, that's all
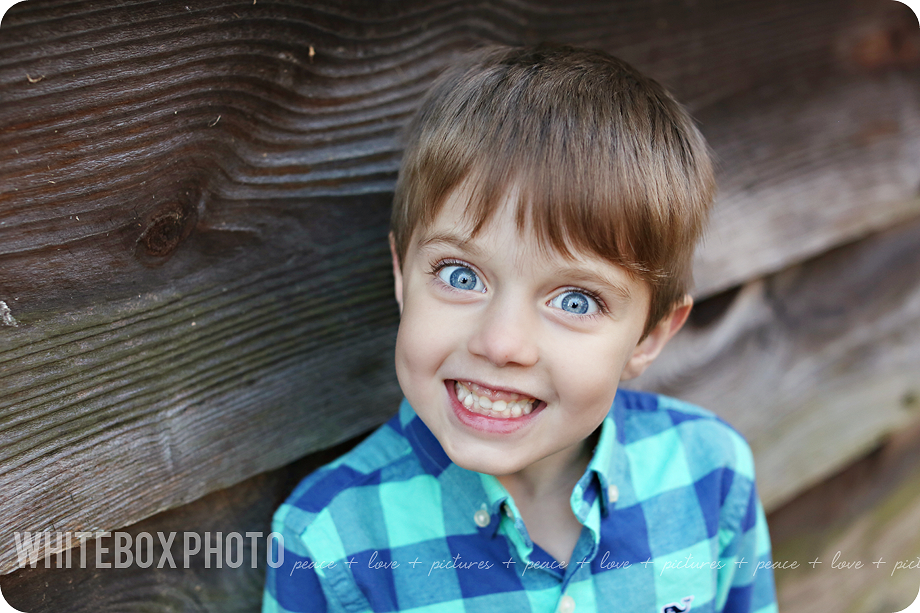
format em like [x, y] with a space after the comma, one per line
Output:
[671, 517]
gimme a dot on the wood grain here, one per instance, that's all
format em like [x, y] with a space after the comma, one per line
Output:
[812, 160]
[869, 513]
[831, 167]
[814, 365]
[246, 507]
[194, 198]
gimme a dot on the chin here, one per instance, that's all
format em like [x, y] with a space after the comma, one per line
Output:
[479, 464]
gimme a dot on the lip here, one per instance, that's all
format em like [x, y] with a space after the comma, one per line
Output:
[483, 423]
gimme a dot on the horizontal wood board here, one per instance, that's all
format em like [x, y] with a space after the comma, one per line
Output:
[868, 513]
[193, 206]
[814, 365]
[246, 507]
[831, 166]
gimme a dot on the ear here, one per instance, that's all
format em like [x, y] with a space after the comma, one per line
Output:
[650, 346]
[397, 274]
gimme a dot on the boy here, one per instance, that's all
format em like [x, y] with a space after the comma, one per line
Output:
[544, 221]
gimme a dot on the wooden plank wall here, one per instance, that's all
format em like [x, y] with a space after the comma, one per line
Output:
[868, 514]
[243, 508]
[193, 208]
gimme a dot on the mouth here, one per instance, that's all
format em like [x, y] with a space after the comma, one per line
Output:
[493, 403]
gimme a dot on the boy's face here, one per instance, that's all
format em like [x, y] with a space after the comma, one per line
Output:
[497, 321]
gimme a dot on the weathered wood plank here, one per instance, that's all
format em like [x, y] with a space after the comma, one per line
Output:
[244, 508]
[814, 365]
[229, 165]
[811, 160]
[202, 394]
[296, 125]
[870, 513]
[809, 173]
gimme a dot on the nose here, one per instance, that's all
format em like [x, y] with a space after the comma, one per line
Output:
[506, 335]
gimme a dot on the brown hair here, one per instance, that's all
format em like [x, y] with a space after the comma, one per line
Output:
[606, 160]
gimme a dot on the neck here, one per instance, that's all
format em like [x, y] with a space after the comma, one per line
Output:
[542, 494]
[551, 476]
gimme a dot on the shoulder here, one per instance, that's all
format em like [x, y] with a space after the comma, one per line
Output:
[330, 496]
[665, 425]
[331, 519]
[672, 446]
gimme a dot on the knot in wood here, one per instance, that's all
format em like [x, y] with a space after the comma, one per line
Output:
[164, 232]
[888, 45]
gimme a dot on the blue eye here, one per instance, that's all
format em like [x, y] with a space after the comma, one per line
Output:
[575, 302]
[461, 277]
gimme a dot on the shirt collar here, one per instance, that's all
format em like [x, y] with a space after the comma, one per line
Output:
[426, 446]
[602, 467]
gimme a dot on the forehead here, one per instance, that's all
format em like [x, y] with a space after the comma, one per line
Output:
[458, 224]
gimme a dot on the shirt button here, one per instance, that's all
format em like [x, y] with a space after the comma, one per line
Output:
[613, 493]
[482, 518]
[566, 604]
[508, 512]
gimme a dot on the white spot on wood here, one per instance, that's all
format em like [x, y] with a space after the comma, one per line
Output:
[6, 317]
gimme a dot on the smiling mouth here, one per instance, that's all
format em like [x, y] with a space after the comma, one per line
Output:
[490, 403]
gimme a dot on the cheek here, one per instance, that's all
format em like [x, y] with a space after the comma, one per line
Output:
[590, 373]
[424, 339]
[410, 362]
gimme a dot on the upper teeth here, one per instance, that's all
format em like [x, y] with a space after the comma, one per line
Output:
[497, 408]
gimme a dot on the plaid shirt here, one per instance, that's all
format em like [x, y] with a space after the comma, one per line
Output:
[672, 522]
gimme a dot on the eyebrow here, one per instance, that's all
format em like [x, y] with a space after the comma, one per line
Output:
[453, 240]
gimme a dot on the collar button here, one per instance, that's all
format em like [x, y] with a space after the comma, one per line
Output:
[482, 518]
